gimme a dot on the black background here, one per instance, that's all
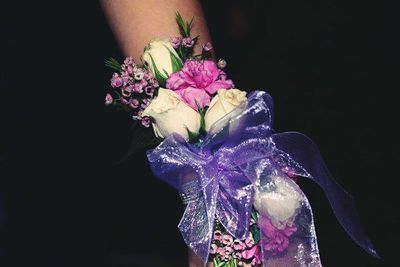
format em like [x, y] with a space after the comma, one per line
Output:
[65, 201]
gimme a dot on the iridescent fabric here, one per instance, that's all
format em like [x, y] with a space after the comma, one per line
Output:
[240, 158]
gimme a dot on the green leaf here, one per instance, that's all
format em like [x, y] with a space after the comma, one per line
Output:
[142, 137]
[175, 61]
[113, 64]
[193, 136]
[181, 24]
[160, 78]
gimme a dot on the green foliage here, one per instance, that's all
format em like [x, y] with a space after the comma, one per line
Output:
[160, 77]
[175, 61]
[113, 64]
[184, 27]
[141, 138]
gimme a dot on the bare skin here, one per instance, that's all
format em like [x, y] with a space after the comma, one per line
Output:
[136, 22]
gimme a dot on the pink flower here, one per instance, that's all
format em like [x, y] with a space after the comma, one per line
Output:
[149, 90]
[238, 245]
[134, 103]
[203, 78]
[126, 91]
[176, 42]
[227, 240]
[146, 122]
[125, 77]
[109, 100]
[254, 252]
[217, 235]
[249, 241]
[138, 88]
[187, 42]
[207, 46]
[275, 240]
[129, 69]
[213, 249]
[221, 251]
[128, 61]
[116, 80]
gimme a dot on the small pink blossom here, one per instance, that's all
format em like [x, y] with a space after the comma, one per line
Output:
[249, 242]
[145, 103]
[198, 75]
[238, 245]
[129, 69]
[253, 253]
[176, 42]
[146, 122]
[108, 100]
[125, 77]
[149, 90]
[221, 63]
[228, 250]
[138, 88]
[116, 80]
[221, 251]
[139, 74]
[227, 239]
[213, 249]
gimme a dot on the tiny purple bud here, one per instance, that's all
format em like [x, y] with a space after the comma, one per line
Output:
[149, 90]
[116, 80]
[128, 61]
[146, 122]
[126, 91]
[139, 74]
[134, 103]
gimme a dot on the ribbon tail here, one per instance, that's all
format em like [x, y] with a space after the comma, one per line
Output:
[304, 151]
[291, 242]
[197, 223]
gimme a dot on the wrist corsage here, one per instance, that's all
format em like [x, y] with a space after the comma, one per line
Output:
[216, 146]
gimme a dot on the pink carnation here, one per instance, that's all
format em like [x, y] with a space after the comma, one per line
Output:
[275, 240]
[198, 81]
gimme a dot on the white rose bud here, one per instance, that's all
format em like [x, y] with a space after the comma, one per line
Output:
[223, 103]
[172, 115]
[281, 204]
[162, 59]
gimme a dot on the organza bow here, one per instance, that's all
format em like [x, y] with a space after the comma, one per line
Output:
[219, 175]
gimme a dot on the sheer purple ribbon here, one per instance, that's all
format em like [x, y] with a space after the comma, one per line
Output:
[219, 175]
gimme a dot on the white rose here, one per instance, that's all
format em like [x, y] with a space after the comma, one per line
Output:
[281, 204]
[162, 59]
[223, 103]
[172, 115]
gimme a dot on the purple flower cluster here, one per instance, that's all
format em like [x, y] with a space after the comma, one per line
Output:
[225, 248]
[133, 90]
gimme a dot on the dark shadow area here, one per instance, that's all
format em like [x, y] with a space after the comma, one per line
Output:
[65, 202]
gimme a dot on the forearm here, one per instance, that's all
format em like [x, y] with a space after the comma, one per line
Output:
[136, 22]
